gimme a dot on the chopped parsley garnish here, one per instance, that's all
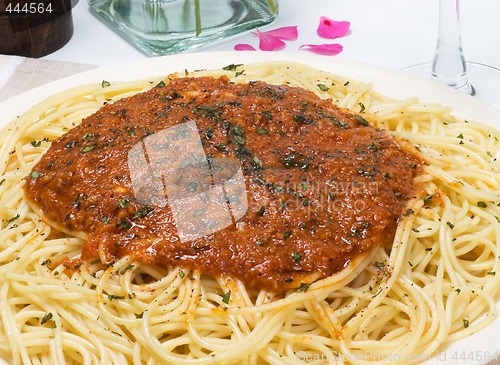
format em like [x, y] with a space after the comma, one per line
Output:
[46, 318]
[143, 212]
[226, 297]
[323, 87]
[11, 220]
[88, 148]
[302, 288]
[115, 297]
[296, 256]
[231, 67]
[361, 120]
[127, 268]
[124, 203]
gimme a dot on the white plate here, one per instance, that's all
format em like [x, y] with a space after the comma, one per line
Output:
[478, 349]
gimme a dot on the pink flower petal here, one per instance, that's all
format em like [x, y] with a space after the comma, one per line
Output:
[288, 33]
[269, 42]
[323, 49]
[244, 47]
[332, 29]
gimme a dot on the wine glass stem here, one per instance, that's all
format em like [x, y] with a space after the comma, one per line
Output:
[449, 65]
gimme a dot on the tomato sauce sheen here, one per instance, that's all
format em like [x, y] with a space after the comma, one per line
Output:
[322, 184]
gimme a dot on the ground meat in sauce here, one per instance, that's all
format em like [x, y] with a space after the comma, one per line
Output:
[322, 184]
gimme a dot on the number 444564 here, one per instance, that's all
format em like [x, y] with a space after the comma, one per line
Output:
[29, 8]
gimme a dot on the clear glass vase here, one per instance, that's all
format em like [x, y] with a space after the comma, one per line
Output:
[161, 27]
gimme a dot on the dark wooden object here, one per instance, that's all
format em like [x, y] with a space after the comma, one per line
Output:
[33, 28]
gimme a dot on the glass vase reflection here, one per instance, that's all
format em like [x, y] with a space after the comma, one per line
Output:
[161, 27]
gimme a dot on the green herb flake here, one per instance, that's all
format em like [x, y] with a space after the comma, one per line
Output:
[88, 136]
[491, 273]
[143, 212]
[361, 120]
[362, 107]
[261, 211]
[240, 140]
[231, 67]
[287, 235]
[105, 83]
[379, 264]
[221, 147]
[11, 220]
[36, 143]
[278, 188]
[46, 318]
[182, 274]
[296, 256]
[262, 131]
[71, 144]
[260, 181]
[115, 297]
[226, 297]
[481, 204]
[466, 323]
[35, 174]
[125, 224]
[124, 203]
[323, 87]
[127, 268]
[408, 212]
[238, 130]
[302, 288]
[88, 148]
[258, 162]
[451, 225]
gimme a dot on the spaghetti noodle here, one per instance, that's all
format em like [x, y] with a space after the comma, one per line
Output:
[435, 284]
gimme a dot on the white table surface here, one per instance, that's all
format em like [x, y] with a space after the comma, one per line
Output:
[390, 33]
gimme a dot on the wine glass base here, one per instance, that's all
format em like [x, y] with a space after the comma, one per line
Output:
[485, 80]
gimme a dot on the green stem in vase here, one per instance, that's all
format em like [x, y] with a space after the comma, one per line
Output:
[273, 7]
[197, 16]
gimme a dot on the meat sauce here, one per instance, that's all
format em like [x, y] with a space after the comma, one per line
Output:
[320, 184]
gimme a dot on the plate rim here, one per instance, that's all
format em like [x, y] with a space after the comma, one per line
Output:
[390, 82]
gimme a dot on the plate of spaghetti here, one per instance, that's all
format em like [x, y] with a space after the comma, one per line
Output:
[248, 208]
